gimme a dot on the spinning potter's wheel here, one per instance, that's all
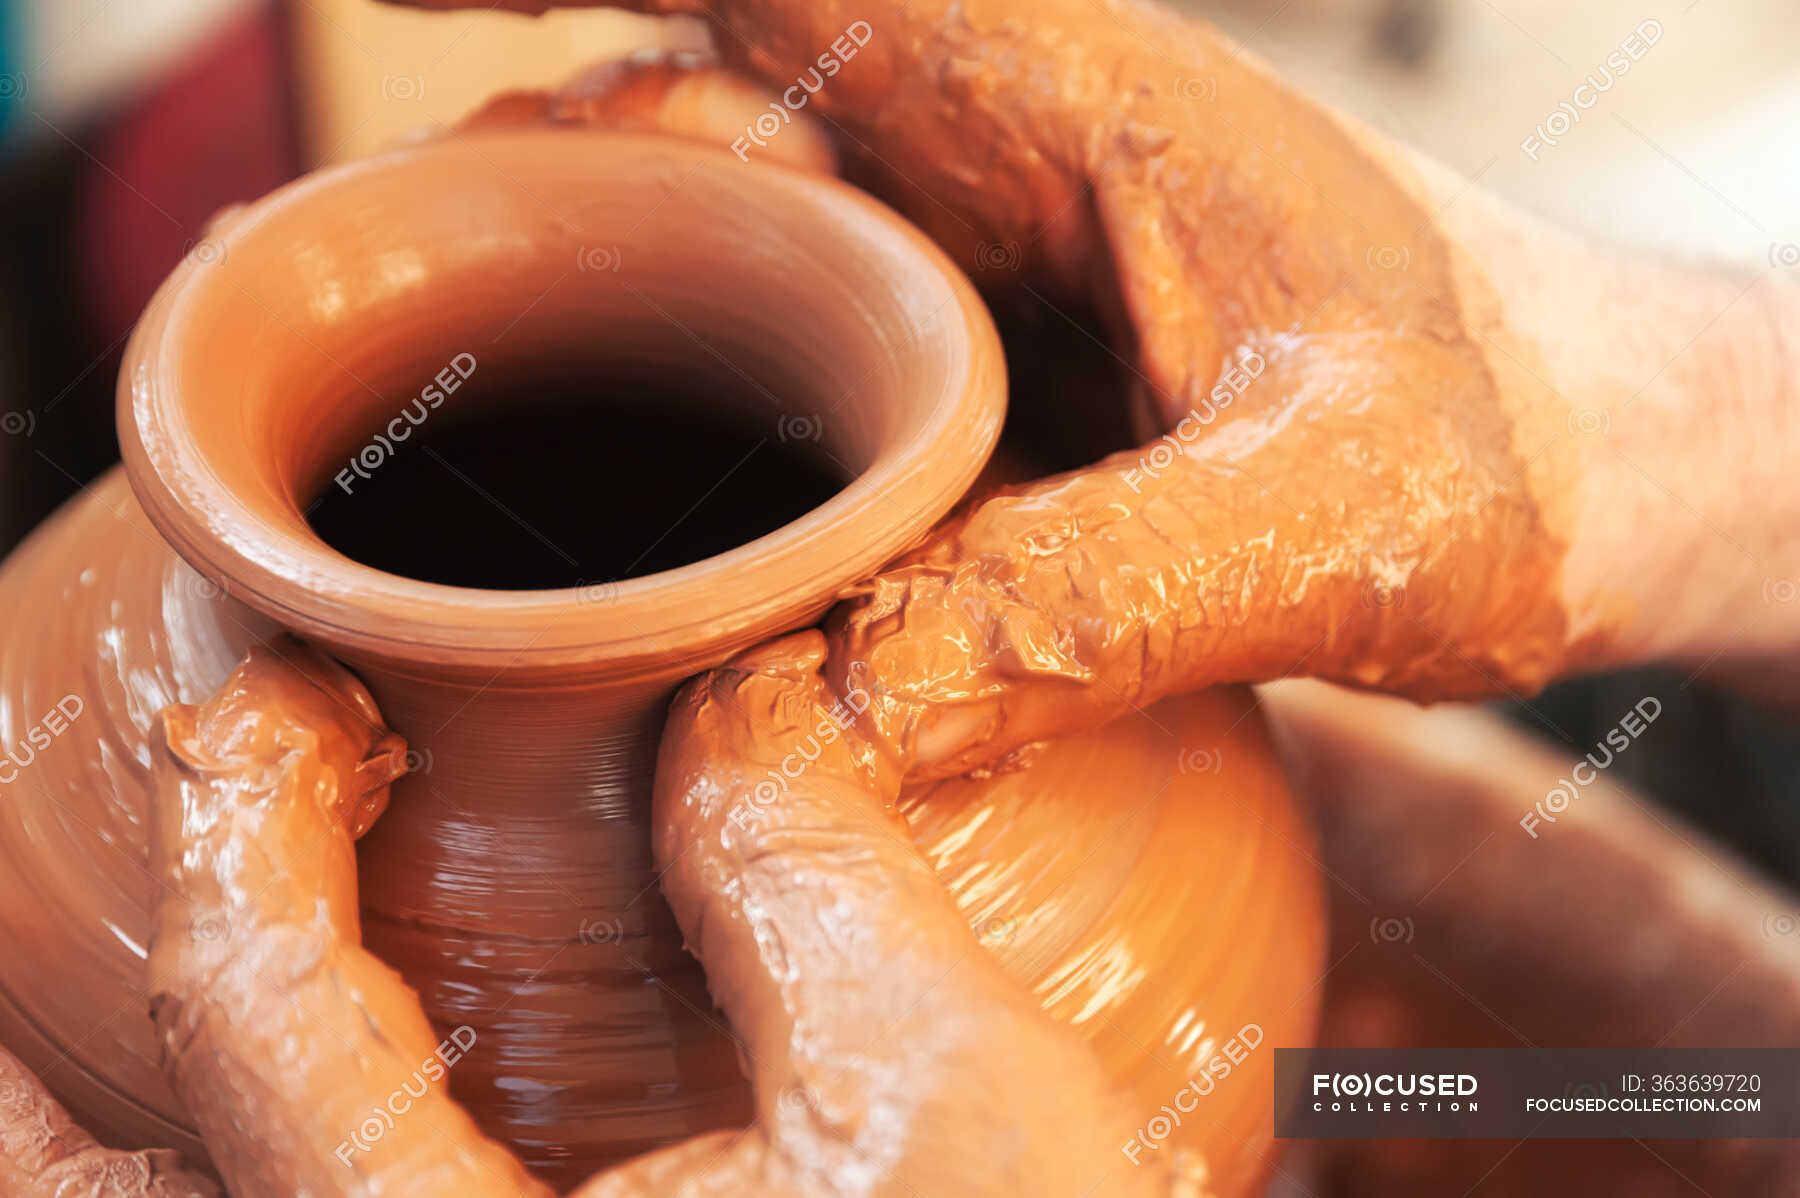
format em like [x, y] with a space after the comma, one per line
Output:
[1153, 884]
[1147, 881]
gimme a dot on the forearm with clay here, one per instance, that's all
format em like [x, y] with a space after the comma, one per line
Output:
[281, 1034]
[1189, 563]
[1416, 440]
[1400, 495]
[1324, 533]
[863, 1002]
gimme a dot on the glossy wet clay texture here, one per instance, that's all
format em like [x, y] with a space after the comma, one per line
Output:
[1358, 481]
[519, 907]
[866, 1009]
[512, 883]
[1366, 474]
[46, 1154]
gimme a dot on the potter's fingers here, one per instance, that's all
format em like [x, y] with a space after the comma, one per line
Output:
[869, 1015]
[288, 697]
[308, 1064]
[1280, 541]
[681, 94]
[44, 1154]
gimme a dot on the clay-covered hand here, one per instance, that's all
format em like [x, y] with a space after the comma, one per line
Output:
[889, 1051]
[292, 1047]
[45, 1154]
[1395, 452]
[865, 1008]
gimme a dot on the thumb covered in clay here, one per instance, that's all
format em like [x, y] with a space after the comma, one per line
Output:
[889, 1052]
[289, 702]
[1260, 544]
[867, 1013]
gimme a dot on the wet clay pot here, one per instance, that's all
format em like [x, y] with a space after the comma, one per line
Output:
[511, 881]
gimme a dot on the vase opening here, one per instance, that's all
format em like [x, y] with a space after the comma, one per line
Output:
[604, 320]
[572, 475]
[600, 322]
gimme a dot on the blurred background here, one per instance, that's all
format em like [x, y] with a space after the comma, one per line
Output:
[127, 123]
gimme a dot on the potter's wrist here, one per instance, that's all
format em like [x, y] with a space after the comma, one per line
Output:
[224, 893]
[1686, 543]
[210, 957]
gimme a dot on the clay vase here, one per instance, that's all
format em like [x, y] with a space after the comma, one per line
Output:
[510, 881]
[1156, 886]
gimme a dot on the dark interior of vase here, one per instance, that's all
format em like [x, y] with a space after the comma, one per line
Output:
[565, 479]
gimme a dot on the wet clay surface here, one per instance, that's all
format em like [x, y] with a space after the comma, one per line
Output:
[259, 793]
[865, 996]
[46, 1154]
[1155, 888]
[1104, 937]
[486, 799]
[1430, 564]
[512, 882]
[1351, 483]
